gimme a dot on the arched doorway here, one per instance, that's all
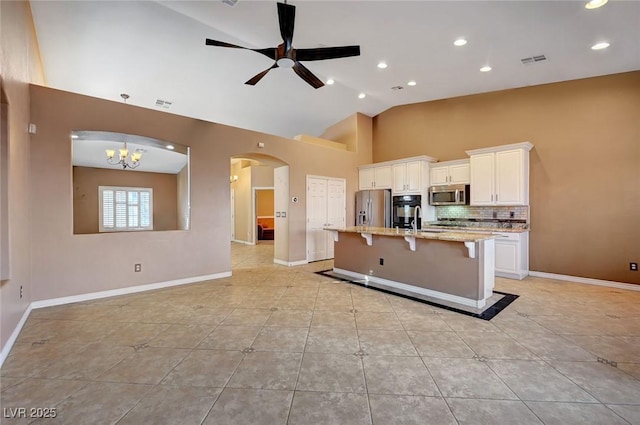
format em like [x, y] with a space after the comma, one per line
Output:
[251, 176]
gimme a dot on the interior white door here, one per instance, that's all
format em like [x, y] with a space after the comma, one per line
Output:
[316, 218]
[326, 206]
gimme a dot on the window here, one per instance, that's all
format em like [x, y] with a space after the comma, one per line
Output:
[124, 209]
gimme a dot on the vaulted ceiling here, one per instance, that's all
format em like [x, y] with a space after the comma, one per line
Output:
[155, 52]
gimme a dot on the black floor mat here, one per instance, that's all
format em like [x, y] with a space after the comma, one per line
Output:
[487, 314]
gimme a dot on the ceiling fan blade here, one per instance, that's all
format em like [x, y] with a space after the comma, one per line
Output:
[307, 75]
[286, 17]
[269, 52]
[253, 81]
[322, 53]
[210, 42]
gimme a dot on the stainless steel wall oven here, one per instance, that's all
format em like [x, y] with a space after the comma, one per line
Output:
[404, 209]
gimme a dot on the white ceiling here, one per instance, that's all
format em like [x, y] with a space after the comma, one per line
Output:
[89, 151]
[155, 50]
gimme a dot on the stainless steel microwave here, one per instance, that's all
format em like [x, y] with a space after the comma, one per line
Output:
[455, 194]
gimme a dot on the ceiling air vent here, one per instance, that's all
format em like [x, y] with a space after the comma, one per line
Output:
[230, 2]
[397, 88]
[533, 59]
[163, 104]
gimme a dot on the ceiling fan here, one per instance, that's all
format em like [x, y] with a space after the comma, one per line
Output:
[285, 56]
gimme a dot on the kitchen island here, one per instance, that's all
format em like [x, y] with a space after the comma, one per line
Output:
[453, 266]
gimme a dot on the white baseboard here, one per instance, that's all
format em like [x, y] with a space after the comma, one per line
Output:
[14, 336]
[587, 280]
[290, 263]
[97, 295]
[516, 276]
[243, 242]
[124, 291]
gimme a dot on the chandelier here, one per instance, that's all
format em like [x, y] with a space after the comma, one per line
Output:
[124, 159]
[123, 153]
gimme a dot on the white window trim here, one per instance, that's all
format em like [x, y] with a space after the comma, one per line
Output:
[102, 229]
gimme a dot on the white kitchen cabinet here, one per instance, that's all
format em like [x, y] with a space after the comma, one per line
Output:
[512, 255]
[407, 177]
[500, 175]
[450, 172]
[375, 177]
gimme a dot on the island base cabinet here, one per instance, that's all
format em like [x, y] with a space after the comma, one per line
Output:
[512, 255]
[438, 269]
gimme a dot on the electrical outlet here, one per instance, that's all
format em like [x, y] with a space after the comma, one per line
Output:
[382, 261]
[137, 268]
[21, 291]
[633, 267]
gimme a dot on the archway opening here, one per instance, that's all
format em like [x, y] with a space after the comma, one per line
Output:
[259, 207]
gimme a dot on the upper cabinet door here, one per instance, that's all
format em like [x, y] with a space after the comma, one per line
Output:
[399, 178]
[414, 177]
[439, 176]
[509, 177]
[407, 178]
[500, 175]
[365, 178]
[482, 178]
[459, 174]
[383, 177]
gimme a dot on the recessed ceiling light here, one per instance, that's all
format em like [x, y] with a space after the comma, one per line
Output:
[330, 81]
[600, 46]
[460, 42]
[411, 83]
[594, 4]
[362, 96]
[485, 69]
[170, 147]
[382, 65]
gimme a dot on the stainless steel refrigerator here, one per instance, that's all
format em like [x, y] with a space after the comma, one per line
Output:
[373, 208]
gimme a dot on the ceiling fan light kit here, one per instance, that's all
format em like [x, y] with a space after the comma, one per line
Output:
[286, 56]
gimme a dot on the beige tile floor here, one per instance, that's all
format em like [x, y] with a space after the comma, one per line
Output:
[277, 345]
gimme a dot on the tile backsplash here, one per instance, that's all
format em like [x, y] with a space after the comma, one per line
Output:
[469, 212]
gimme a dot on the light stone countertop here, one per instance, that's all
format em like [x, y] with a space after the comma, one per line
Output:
[441, 234]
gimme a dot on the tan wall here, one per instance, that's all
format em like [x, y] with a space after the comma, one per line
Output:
[348, 131]
[65, 264]
[265, 203]
[261, 175]
[585, 166]
[19, 64]
[85, 196]
[244, 226]
[183, 198]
